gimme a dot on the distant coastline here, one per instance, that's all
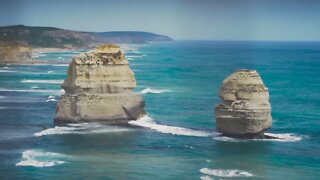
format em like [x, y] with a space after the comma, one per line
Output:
[50, 39]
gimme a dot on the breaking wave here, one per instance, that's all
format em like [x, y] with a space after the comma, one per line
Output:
[226, 172]
[38, 158]
[154, 91]
[51, 99]
[83, 128]
[148, 122]
[285, 137]
[42, 81]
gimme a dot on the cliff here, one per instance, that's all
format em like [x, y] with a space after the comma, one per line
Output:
[50, 37]
[99, 87]
[15, 53]
[245, 110]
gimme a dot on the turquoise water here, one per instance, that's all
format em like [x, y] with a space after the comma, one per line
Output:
[180, 83]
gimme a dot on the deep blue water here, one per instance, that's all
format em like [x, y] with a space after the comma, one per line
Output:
[181, 82]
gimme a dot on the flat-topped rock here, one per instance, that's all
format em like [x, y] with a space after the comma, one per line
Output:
[245, 110]
[99, 87]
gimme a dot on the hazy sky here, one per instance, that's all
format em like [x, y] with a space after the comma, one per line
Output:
[180, 19]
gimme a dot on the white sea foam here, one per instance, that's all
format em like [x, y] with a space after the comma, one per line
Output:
[7, 71]
[56, 92]
[38, 158]
[285, 137]
[51, 100]
[83, 128]
[42, 81]
[60, 64]
[49, 72]
[35, 87]
[148, 122]
[135, 56]
[226, 172]
[205, 178]
[154, 91]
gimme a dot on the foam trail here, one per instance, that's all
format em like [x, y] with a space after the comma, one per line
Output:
[42, 81]
[285, 137]
[148, 122]
[154, 91]
[37, 158]
[83, 128]
[226, 172]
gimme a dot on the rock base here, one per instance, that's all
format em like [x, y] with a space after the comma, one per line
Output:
[111, 108]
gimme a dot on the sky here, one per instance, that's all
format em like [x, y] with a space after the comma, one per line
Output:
[279, 20]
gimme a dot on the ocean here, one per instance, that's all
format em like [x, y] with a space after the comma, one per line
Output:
[177, 139]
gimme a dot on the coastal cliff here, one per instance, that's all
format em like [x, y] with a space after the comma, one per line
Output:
[15, 53]
[99, 87]
[51, 37]
[245, 110]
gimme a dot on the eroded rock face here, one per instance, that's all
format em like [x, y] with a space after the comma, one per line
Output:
[245, 110]
[15, 53]
[99, 87]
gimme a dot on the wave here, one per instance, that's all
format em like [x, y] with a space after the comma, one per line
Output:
[154, 91]
[56, 92]
[38, 158]
[49, 72]
[285, 137]
[60, 65]
[81, 128]
[136, 56]
[2, 70]
[226, 172]
[35, 87]
[51, 99]
[42, 81]
[148, 122]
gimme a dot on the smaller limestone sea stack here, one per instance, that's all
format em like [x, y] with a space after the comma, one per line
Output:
[99, 87]
[245, 111]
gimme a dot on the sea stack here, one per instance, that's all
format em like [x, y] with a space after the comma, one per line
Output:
[245, 111]
[99, 87]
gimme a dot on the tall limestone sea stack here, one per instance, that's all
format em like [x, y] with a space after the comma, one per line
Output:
[245, 111]
[99, 87]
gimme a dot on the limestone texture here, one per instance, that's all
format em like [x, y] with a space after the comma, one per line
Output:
[245, 111]
[15, 53]
[99, 87]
